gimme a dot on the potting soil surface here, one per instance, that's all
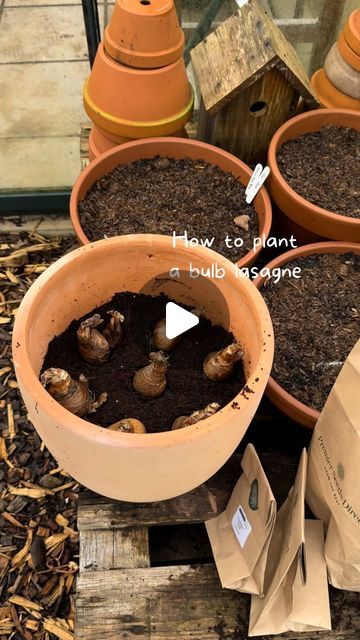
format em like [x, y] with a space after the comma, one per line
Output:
[187, 387]
[163, 195]
[316, 322]
[324, 168]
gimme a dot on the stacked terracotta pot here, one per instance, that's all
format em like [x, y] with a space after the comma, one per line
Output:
[337, 84]
[138, 87]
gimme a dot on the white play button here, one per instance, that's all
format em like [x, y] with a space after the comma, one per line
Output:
[178, 320]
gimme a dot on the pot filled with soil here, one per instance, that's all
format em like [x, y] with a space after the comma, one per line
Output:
[314, 307]
[126, 411]
[164, 185]
[315, 172]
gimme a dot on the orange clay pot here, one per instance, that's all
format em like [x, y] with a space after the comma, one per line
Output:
[324, 223]
[352, 58]
[144, 34]
[329, 96]
[138, 467]
[289, 405]
[341, 74]
[172, 148]
[352, 31]
[137, 103]
[100, 141]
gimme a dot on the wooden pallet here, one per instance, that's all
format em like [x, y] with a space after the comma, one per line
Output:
[130, 587]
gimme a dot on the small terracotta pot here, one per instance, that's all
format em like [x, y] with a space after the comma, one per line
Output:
[289, 405]
[172, 148]
[352, 31]
[324, 223]
[137, 103]
[100, 141]
[352, 58]
[341, 74]
[329, 96]
[144, 34]
[138, 467]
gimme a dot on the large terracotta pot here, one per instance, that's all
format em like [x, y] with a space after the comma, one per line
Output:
[144, 34]
[172, 148]
[283, 400]
[132, 467]
[137, 103]
[324, 223]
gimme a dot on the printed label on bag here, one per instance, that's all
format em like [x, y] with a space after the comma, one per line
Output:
[241, 525]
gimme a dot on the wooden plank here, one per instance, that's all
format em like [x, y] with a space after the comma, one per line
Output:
[182, 603]
[114, 549]
[98, 513]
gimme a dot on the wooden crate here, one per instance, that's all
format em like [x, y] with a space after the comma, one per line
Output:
[127, 590]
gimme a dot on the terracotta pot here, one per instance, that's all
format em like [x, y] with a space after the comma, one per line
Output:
[341, 74]
[289, 405]
[324, 223]
[172, 148]
[137, 467]
[352, 58]
[329, 96]
[100, 141]
[137, 103]
[144, 34]
[352, 31]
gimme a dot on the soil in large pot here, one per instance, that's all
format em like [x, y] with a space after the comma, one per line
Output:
[324, 168]
[187, 389]
[163, 195]
[316, 321]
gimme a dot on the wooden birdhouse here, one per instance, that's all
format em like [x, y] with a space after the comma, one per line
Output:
[250, 79]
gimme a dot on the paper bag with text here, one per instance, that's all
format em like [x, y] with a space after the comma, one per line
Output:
[296, 588]
[333, 482]
[240, 536]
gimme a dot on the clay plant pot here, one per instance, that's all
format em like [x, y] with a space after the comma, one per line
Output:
[100, 141]
[144, 34]
[341, 74]
[172, 148]
[290, 406]
[138, 467]
[137, 103]
[352, 58]
[352, 31]
[324, 223]
[329, 96]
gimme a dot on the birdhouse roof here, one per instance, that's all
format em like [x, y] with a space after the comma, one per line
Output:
[239, 52]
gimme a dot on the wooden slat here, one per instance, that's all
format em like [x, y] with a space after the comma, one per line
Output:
[99, 513]
[182, 603]
[107, 549]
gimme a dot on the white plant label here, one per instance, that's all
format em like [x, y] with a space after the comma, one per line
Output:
[254, 178]
[241, 525]
[257, 185]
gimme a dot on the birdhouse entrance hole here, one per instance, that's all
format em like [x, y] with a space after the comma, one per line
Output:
[258, 108]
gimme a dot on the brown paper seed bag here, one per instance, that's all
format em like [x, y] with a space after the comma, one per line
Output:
[240, 536]
[296, 588]
[333, 484]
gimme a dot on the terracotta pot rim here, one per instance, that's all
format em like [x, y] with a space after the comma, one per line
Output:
[72, 422]
[276, 173]
[352, 58]
[317, 247]
[133, 128]
[145, 57]
[74, 213]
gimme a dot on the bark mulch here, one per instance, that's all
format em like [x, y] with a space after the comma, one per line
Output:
[38, 501]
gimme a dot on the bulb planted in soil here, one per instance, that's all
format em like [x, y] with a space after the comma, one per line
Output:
[219, 365]
[73, 395]
[150, 381]
[197, 416]
[159, 338]
[128, 425]
[92, 345]
[113, 331]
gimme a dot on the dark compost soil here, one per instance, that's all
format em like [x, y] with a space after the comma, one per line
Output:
[316, 322]
[187, 388]
[324, 168]
[163, 195]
